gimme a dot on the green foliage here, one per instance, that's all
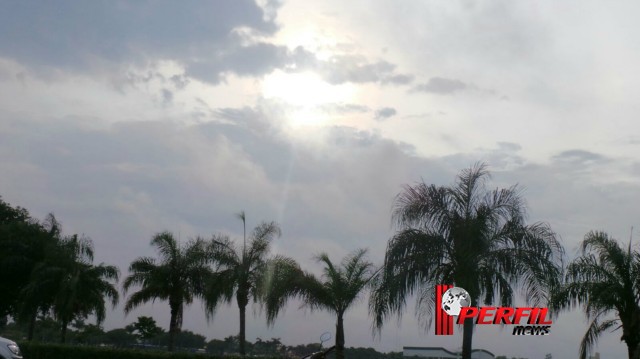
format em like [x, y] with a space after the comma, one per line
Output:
[41, 271]
[184, 339]
[177, 277]
[336, 291]
[468, 236]
[79, 286]
[89, 334]
[52, 351]
[145, 328]
[604, 279]
[23, 244]
[242, 271]
[120, 338]
[369, 353]
[10, 214]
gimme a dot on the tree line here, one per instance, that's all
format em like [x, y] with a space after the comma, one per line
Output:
[463, 234]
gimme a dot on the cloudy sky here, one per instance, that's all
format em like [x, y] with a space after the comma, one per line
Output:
[128, 118]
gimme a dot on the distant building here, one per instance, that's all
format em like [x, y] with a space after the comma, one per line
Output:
[442, 353]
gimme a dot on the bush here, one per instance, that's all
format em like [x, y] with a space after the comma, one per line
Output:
[32, 350]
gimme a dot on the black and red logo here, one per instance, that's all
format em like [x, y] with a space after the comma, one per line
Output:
[455, 301]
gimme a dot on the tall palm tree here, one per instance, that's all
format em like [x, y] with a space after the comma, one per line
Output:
[336, 291]
[243, 271]
[77, 286]
[604, 279]
[468, 236]
[177, 277]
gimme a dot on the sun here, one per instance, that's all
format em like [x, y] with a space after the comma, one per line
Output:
[305, 93]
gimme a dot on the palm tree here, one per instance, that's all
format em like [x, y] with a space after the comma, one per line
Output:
[78, 287]
[468, 236]
[177, 277]
[33, 246]
[337, 290]
[243, 271]
[604, 279]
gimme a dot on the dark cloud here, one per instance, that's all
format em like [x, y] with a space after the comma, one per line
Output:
[357, 69]
[254, 60]
[262, 58]
[167, 96]
[255, 119]
[445, 86]
[343, 68]
[205, 38]
[504, 157]
[71, 33]
[385, 113]
[579, 156]
[349, 136]
[441, 86]
[179, 81]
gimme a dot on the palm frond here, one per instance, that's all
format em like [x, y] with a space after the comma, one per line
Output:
[223, 252]
[266, 231]
[593, 332]
[167, 246]
[468, 236]
[283, 280]
[219, 289]
[468, 189]
[415, 261]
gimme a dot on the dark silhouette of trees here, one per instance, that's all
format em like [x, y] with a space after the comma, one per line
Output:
[604, 280]
[243, 271]
[468, 236]
[336, 291]
[177, 277]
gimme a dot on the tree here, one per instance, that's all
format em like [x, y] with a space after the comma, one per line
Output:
[90, 334]
[23, 242]
[467, 236]
[604, 279]
[145, 328]
[26, 247]
[336, 291]
[242, 271]
[177, 277]
[216, 347]
[81, 286]
[120, 337]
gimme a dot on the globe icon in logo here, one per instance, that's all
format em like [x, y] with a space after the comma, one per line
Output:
[454, 299]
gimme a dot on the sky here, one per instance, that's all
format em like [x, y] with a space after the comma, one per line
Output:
[125, 119]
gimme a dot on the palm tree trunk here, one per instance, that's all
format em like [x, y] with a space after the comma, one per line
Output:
[340, 337]
[32, 325]
[467, 335]
[634, 350]
[241, 335]
[631, 335]
[467, 331]
[173, 326]
[63, 331]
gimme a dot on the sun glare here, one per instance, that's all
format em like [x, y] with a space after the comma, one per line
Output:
[303, 89]
[305, 93]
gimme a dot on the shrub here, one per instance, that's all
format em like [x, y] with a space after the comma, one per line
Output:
[32, 350]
